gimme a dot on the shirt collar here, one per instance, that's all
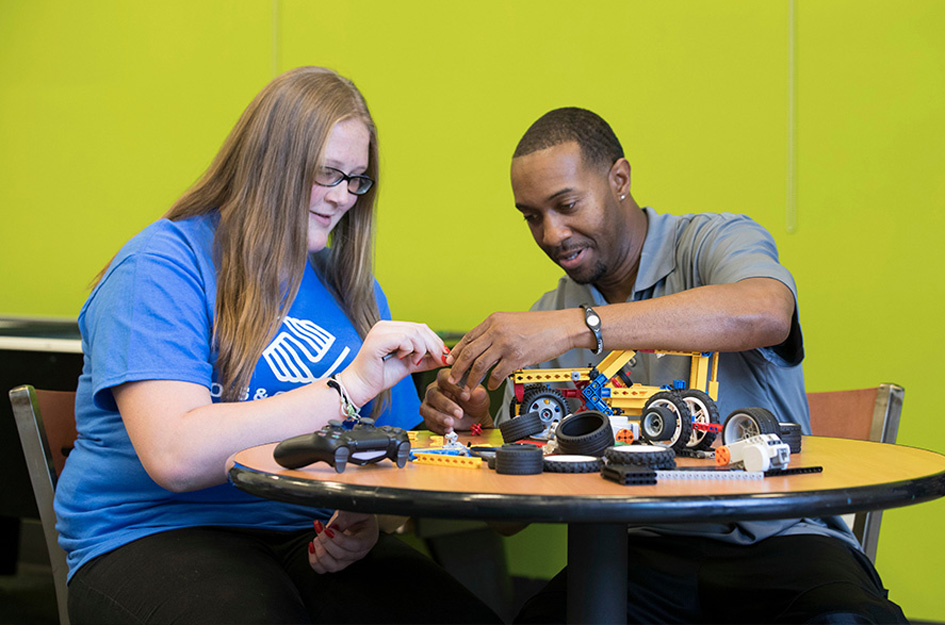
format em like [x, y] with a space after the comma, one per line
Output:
[658, 258]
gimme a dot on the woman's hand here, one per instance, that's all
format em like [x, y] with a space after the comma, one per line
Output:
[347, 538]
[391, 351]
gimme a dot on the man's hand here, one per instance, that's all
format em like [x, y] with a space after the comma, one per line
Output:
[513, 340]
[447, 406]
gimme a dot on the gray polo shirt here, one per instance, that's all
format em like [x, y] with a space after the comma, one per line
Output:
[682, 252]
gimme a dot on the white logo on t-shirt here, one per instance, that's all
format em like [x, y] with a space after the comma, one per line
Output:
[299, 344]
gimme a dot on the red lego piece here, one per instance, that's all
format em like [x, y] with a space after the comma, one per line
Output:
[475, 429]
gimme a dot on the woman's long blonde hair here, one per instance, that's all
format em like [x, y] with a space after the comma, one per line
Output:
[260, 183]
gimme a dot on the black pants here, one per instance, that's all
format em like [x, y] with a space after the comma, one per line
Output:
[788, 579]
[222, 575]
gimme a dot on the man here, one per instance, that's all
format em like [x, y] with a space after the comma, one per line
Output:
[706, 283]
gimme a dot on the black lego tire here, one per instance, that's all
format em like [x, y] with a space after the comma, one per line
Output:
[521, 427]
[680, 423]
[549, 403]
[655, 456]
[513, 407]
[514, 403]
[571, 463]
[519, 459]
[657, 424]
[747, 422]
[586, 433]
[702, 409]
[791, 436]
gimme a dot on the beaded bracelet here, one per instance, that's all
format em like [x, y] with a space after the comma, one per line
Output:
[348, 408]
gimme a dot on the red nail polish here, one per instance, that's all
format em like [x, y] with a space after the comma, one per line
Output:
[329, 533]
[311, 547]
[318, 527]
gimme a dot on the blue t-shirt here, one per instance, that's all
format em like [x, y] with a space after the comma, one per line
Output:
[151, 318]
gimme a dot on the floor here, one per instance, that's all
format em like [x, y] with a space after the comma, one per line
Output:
[27, 595]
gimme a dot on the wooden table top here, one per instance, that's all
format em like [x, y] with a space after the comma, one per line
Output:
[857, 475]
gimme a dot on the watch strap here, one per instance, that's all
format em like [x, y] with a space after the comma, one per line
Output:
[592, 320]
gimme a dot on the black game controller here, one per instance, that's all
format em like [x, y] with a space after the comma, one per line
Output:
[362, 444]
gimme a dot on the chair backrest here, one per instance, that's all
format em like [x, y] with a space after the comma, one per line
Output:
[45, 421]
[869, 414]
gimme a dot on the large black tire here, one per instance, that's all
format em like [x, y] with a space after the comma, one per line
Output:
[549, 403]
[747, 422]
[519, 459]
[654, 421]
[585, 433]
[655, 456]
[521, 427]
[702, 409]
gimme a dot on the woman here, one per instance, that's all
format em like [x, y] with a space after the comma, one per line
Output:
[236, 295]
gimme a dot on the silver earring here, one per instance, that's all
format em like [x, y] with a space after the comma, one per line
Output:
[623, 197]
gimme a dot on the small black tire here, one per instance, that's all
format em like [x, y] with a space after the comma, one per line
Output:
[521, 427]
[747, 422]
[680, 423]
[519, 459]
[584, 433]
[791, 436]
[571, 463]
[655, 456]
[657, 424]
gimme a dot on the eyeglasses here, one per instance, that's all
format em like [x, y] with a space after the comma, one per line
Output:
[331, 177]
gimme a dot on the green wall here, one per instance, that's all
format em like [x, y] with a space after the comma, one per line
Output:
[822, 119]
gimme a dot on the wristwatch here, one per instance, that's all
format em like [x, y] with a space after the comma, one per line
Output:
[593, 324]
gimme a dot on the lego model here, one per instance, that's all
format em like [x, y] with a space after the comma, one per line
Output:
[680, 415]
[756, 453]
[362, 444]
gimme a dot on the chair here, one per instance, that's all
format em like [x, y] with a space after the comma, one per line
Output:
[45, 421]
[869, 414]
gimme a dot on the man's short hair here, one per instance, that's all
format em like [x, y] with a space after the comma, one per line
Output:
[599, 145]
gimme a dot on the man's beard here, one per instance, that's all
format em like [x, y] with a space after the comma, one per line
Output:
[590, 276]
[593, 276]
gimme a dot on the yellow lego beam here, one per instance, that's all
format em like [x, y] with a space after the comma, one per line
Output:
[461, 462]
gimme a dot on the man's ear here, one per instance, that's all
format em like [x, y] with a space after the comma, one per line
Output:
[620, 177]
